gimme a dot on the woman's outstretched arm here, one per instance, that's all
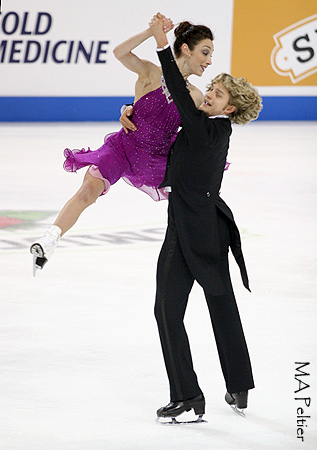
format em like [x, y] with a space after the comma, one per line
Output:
[123, 52]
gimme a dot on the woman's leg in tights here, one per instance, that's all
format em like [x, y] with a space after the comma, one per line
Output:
[87, 194]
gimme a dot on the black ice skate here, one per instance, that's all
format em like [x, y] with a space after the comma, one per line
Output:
[43, 249]
[238, 401]
[175, 409]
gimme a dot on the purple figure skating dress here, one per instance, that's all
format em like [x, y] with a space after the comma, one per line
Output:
[138, 157]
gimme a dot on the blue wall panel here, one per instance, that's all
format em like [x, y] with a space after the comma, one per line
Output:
[61, 109]
[99, 109]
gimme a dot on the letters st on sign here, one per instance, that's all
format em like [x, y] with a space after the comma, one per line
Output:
[295, 52]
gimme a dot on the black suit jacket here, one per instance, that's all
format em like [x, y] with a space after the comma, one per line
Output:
[194, 171]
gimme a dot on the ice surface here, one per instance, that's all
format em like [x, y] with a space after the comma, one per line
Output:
[80, 360]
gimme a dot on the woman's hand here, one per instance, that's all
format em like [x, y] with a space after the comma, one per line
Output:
[167, 22]
[126, 122]
[159, 26]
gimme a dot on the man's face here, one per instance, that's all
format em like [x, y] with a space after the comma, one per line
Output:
[216, 101]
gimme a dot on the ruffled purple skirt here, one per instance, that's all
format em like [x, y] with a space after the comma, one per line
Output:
[139, 168]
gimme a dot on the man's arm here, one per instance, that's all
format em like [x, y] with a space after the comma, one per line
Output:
[194, 121]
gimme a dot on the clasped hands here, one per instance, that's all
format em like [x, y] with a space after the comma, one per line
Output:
[160, 23]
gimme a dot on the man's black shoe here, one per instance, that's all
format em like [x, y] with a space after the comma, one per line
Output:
[174, 409]
[238, 399]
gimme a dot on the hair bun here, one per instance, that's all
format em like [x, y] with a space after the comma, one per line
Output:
[182, 28]
[187, 33]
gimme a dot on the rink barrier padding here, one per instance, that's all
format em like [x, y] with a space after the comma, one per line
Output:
[102, 109]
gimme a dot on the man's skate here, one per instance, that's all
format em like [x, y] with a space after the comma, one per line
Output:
[238, 401]
[174, 409]
[43, 249]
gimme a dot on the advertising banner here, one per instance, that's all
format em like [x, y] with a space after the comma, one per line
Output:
[274, 44]
[65, 48]
[57, 62]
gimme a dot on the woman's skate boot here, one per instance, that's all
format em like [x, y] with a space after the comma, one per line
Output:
[43, 249]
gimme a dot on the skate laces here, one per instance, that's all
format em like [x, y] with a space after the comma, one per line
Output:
[52, 236]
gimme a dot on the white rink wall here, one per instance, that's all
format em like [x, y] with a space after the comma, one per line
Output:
[57, 62]
[55, 71]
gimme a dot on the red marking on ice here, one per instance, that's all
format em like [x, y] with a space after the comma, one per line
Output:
[9, 221]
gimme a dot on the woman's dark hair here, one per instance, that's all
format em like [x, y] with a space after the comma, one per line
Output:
[187, 33]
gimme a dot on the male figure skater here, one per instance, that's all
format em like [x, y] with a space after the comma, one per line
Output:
[200, 230]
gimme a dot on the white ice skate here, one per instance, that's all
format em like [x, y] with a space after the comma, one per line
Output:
[43, 249]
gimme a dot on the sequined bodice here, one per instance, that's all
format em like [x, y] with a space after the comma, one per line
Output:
[157, 120]
[138, 157]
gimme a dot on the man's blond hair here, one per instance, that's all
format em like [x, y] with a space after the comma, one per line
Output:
[242, 95]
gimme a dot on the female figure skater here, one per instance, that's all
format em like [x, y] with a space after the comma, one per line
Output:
[139, 157]
[200, 230]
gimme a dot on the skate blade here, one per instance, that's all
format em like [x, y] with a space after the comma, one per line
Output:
[174, 421]
[39, 259]
[35, 266]
[238, 411]
[38, 263]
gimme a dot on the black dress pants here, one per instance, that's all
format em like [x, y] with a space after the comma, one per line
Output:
[174, 283]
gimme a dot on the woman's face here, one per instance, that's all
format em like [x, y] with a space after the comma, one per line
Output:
[200, 57]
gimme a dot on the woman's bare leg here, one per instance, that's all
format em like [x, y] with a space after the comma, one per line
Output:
[87, 194]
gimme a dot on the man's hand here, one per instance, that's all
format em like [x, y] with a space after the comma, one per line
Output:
[167, 24]
[126, 122]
